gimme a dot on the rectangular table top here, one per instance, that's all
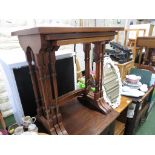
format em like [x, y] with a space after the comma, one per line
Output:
[84, 119]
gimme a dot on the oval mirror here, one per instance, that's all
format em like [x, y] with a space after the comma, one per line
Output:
[112, 84]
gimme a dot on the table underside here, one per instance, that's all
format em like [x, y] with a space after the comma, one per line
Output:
[84, 119]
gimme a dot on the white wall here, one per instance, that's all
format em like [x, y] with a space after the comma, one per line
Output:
[11, 25]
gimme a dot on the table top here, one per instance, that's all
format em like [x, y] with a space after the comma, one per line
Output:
[83, 119]
[56, 30]
[146, 41]
[125, 102]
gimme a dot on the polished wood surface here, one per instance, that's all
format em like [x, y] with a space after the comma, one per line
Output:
[82, 40]
[40, 45]
[125, 102]
[84, 119]
[58, 30]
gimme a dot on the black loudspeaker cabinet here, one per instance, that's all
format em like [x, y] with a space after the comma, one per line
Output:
[65, 80]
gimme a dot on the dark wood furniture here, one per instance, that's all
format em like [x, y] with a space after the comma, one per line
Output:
[132, 43]
[66, 114]
[149, 58]
[120, 123]
[140, 112]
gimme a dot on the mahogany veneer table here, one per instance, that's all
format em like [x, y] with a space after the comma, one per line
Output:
[84, 119]
[58, 117]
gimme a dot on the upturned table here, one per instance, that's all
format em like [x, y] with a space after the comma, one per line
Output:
[80, 111]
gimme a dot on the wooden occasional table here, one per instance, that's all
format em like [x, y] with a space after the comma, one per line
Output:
[121, 120]
[67, 114]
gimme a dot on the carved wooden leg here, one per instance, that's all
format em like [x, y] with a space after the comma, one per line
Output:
[52, 60]
[98, 95]
[37, 92]
[44, 79]
[96, 98]
[29, 56]
[86, 48]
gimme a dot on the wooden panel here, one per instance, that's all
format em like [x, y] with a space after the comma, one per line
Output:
[82, 40]
[53, 30]
[69, 96]
[119, 128]
[125, 102]
[77, 35]
[83, 119]
[146, 42]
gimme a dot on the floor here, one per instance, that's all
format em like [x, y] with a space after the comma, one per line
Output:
[9, 121]
[148, 127]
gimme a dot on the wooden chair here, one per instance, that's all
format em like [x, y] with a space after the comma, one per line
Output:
[2, 121]
[132, 42]
[149, 58]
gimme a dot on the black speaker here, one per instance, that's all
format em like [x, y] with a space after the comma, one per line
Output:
[65, 81]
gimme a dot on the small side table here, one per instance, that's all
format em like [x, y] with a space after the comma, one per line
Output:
[120, 123]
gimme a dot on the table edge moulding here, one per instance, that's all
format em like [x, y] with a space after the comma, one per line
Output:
[40, 45]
